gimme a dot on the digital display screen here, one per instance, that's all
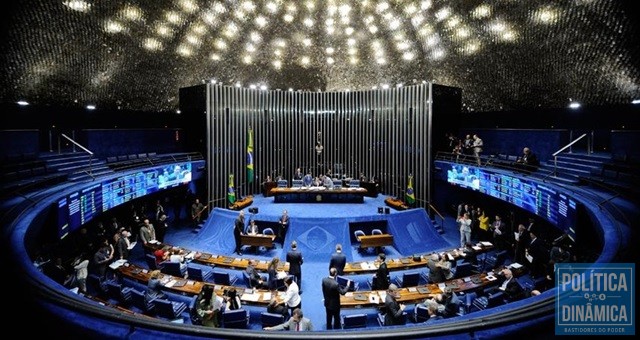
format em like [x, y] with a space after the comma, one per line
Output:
[82, 206]
[538, 198]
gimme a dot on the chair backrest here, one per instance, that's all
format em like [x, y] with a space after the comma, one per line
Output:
[151, 261]
[283, 183]
[238, 318]
[337, 184]
[342, 281]
[173, 268]
[296, 183]
[222, 278]
[198, 274]
[358, 233]
[268, 231]
[271, 319]
[421, 313]
[168, 309]
[376, 232]
[354, 183]
[354, 321]
[464, 269]
[410, 279]
[138, 300]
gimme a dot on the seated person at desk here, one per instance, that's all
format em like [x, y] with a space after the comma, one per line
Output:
[317, 182]
[448, 303]
[297, 174]
[252, 229]
[528, 161]
[510, 286]
[436, 273]
[154, 287]
[232, 299]
[327, 182]
[296, 323]
[208, 307]
[307, 180]
[257, 281]
[275, 308]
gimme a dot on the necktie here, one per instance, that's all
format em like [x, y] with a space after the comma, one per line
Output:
[297, 326]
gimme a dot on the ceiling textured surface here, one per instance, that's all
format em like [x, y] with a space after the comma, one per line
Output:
[504, 55]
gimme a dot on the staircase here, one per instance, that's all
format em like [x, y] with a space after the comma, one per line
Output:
[570, 167]
[77, 166]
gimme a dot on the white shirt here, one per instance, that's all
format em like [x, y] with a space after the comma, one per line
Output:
[291, 296]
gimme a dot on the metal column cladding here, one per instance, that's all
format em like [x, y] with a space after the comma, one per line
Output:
[382, 133]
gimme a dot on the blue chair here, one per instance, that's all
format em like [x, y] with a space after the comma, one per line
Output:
[223, 278]
[117, 293]
[408, 280]
[173, 268]
[421, 313]
[238, 318]
[354, 183]
[151, 261]
[353, 321]
[337, 184]
[271, 319]
[376, 232]
[403, 319]
[283, 183]
[199, 274]
[167, 309]
[357, 234]
[138, 301]
[496, 260]
[464, 269]
[268, 231]
[296, 183]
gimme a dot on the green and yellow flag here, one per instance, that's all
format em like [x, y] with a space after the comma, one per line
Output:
[231, 194]
[250, 156]
[411, 197]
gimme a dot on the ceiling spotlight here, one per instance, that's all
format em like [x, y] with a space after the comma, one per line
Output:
[238, 84]
[385, 86]
[290, 89]
[178, 112]
[22, 103]
[574, 105]
[213, 81]
[635, 101]
[263, 87]
[91, 107]
[252, 86]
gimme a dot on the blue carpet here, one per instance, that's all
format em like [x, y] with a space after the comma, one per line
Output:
[317, 227]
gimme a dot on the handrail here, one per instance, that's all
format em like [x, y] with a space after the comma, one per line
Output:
[90, 172]
[555, 154]
[431, 207]
[569, 145]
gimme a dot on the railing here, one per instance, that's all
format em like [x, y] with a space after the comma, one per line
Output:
[90, 172]
[432, 208]
[555, 154]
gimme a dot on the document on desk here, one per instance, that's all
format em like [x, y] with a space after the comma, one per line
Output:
[515, 265]
[486, 244]
[117, 264]
[266, 296]
[250, 297]
[373, 298]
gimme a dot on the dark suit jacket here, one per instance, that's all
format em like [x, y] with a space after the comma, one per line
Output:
[331, 291]
[382, 277]
[338, 261]
[394, 314]
[514, 290]
[294, 257]
[238, 229]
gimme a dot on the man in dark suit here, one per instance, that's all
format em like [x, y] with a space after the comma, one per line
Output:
[394, 309]
[338, 260]
[284, 225]
[331, 291]
[238, 230]
[510, 286]
[521, 243]
[528, 161]
[540, 254]
[294, 257]
[381, 277]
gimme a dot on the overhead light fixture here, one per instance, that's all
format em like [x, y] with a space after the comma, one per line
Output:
[22, 103]
[574, 105]
[91, 107]
[635, 101]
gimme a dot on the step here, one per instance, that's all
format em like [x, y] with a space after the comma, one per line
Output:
[81, 175]
[587, 157]
[579, 166]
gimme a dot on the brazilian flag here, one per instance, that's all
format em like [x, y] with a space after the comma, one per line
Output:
[231, 195]
[411, 197]
[250, 156]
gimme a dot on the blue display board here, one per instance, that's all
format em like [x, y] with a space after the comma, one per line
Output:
[82, 206]
[538, 198]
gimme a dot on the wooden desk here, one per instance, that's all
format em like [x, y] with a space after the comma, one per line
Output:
[404, 263]
[250, 296]
[375, 240]
[318, 195]
[173, 283]
[257, 240]
[414, 295]
[396, 203]
[266, 188]
[241, 204]
[240, 263]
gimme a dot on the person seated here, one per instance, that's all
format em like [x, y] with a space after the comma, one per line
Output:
[232, 299]
[275, 308]
[296, 323]
[510, 286]
[257, 281]
[450, 303]
[327, 182]
[528, 161]
[209, 307]
[154, 287]
[307, 180]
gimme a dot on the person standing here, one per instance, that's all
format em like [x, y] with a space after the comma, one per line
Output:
[284, 226]
[292, 297]
[294, 257]
[394, 309]
[477, 148]
[381, 277]
[238, 230]
[147, 232]
[331, 291]
[197, 208]
[338, 260]
[465, 229]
